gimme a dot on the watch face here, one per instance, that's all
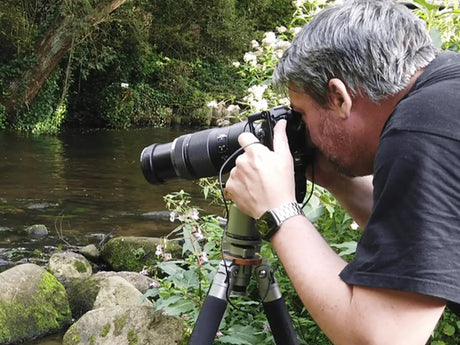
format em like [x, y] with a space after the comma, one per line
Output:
[266, 224]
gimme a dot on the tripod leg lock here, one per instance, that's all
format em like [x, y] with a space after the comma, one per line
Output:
[220, 285]
[268, 287]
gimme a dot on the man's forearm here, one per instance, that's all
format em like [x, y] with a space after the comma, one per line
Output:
[350, 314]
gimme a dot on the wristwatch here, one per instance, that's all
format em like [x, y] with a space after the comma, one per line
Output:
[270, 221]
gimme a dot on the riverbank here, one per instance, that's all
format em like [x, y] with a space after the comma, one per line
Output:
[72, 294]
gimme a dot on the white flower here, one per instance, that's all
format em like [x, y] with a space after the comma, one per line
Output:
[284, 101]
[281, 29]
[154, 284]
[233, 109]
[167, 256]
[144, 271]
[198, 234]
[212, 104]
[249, 98]
[159, 250]
[281, 45]
[354, 225]
[250, 58]
[254, 44]
[203, 257]
[236, 63]
[295, 30]
[298, 3]
[194, 214]
[124, 85]
[259, 105]
[257, 91]
[269, 38]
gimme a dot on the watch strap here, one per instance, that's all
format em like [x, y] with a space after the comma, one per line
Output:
[278, 216]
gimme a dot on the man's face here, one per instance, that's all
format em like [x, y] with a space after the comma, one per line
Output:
[338, 139]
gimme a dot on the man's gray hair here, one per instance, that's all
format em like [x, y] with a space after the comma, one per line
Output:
[373, 46]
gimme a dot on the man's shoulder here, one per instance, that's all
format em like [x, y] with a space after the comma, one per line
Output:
[432, 105]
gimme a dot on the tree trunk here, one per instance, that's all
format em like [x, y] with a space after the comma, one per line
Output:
[49, 51]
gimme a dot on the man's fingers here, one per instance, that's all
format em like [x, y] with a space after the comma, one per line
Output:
[280, 140]
[245, 139]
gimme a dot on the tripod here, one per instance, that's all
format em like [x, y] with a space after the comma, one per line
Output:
[240, 260]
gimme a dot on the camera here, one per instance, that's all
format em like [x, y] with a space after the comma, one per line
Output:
[204, 153]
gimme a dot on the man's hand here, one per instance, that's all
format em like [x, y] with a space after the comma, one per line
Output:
[262, 179]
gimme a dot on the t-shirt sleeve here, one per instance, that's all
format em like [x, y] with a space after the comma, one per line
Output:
[412, 239]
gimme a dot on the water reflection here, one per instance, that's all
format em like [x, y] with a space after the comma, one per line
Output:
[81, 184]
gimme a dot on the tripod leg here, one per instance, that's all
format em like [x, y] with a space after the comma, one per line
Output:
[213, 310]
[275, 308]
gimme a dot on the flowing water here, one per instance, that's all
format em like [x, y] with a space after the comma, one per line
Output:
[81, 185]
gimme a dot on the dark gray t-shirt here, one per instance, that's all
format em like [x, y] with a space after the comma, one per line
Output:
[412, 239]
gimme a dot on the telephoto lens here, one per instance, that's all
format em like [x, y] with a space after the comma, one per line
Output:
[195, 155]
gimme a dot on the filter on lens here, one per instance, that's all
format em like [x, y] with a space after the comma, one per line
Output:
[156, 163]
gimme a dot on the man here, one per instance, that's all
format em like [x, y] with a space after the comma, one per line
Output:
[377, 98]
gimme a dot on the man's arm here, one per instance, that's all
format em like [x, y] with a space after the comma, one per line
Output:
[355, 196]
[350, 315]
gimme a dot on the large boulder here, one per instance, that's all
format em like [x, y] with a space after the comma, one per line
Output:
[32, 304]
[68, 266]
[82, 294]
[132, 253]
[126, 325]
[140, 282]
[118, 291]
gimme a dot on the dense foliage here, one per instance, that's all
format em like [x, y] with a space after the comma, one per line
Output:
[145, 63]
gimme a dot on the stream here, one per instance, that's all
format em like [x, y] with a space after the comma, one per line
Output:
[82, 185]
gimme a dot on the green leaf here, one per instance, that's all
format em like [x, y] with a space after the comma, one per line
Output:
[448, 329]
[190, 280]
[176, 305]
[436, 37]
[426, 5]
[190, 242]
[171, 268]
[349, 247]
[149, 293]
[242, 335]
[314, 209]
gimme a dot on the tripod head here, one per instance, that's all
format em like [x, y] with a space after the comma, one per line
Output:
[241, 246]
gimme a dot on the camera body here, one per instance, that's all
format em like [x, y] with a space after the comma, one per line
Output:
[204, 153]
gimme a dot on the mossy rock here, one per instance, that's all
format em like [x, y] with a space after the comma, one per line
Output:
[133, 253]
[81, 295]
[32, 304]
[126, 325]
[67, 266]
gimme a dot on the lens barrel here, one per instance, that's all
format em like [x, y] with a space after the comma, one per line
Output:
[195, 155]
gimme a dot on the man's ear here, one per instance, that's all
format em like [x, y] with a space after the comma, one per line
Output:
[339, 98]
